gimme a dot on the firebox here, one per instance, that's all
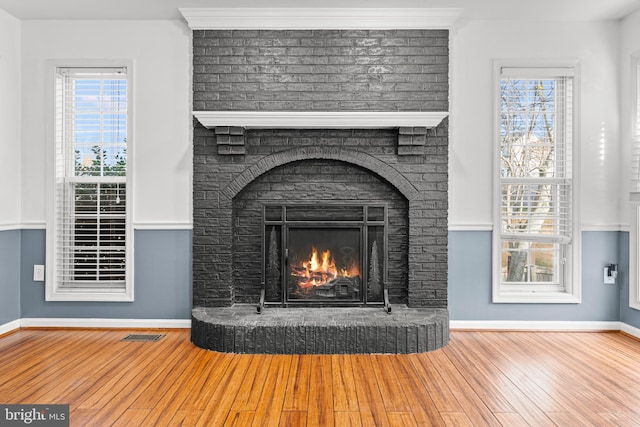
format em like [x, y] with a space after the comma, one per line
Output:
[324, 254]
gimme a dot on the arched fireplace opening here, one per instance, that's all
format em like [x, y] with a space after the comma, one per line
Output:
[320, 232]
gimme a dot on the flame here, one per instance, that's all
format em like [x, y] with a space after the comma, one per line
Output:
[320, 269]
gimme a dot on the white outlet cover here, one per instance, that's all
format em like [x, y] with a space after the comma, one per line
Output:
[608, 280]
[38, 273]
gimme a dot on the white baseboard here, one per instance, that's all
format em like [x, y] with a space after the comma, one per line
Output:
[631, 330]
[535, 325]
[8, 327]
[105, 323]
[496, 325]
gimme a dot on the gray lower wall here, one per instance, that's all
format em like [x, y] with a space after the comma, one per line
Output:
[628, 315]
[470, 282]
[9, 276]
[162, 280]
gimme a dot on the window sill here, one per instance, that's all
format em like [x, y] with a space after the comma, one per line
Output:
[536, 298]
[93, 295]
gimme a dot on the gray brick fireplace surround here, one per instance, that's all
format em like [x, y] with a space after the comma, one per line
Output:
[238, 169]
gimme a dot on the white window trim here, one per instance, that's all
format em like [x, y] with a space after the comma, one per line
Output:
[572, 294]
[634, 245]
[53, 292]
[634, 238]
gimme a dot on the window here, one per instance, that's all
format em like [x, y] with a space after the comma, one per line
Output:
[534, 240]
[89, 231]
[634, 240]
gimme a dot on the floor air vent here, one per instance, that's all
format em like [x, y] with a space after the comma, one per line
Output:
[142, 337]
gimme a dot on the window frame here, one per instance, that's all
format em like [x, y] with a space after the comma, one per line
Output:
[53, 290]
[634, 238]
[634, 252]
[571, 291]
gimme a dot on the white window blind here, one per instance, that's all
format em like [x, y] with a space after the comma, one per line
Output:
[535, 177]
[91, 230]
[634, 240]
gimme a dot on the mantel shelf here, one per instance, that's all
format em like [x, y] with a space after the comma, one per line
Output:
[320, 119]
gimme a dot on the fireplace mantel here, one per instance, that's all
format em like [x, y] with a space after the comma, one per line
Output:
[320, 119]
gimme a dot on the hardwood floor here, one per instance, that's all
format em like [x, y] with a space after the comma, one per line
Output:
[480, 378]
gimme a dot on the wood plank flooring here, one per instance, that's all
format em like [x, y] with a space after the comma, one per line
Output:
[479, 379]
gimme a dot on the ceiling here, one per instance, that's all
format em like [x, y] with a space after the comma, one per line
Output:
[528, 10]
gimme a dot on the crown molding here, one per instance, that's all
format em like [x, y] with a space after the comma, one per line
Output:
[320, 119]
[319, 18]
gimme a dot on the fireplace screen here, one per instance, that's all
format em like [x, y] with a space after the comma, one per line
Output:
[324, 255]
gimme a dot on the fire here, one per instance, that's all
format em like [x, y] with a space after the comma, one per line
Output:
[320, 269]
[327, 266]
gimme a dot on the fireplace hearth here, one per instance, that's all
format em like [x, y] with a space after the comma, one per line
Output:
[314, 330]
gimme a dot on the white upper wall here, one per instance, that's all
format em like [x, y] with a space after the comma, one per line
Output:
[9, 121]
[474, 46]
[629, 46]
[161, 146]
[161, 142]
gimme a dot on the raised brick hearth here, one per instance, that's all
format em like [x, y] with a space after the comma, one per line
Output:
[327, 330]
[239, 169]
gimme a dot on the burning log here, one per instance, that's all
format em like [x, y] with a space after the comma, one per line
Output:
[319, 276]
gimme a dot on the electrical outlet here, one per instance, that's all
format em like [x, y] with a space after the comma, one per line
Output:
[609, 279]
[38, 273]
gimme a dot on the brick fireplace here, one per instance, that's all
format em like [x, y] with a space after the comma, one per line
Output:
[296, 130]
